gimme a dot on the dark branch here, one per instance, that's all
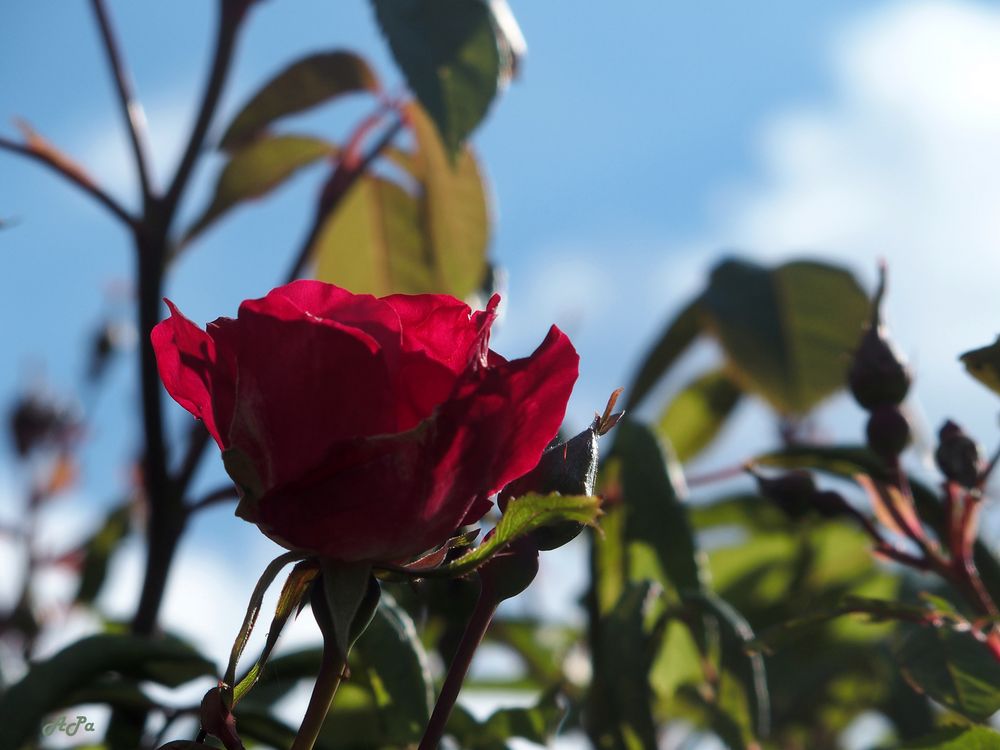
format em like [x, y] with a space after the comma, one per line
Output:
[76, 179]
[135, 119]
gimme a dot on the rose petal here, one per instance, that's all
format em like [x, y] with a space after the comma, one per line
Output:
[186, 358]
[340, 381]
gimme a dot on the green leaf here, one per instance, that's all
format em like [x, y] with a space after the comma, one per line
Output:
[957, 738]
[538, 724]
[673, 342]
[620, 701]
[310, 81]
[984, 365]
[696, 415]
[374, 242]
[449, 51]
[747, 665]
[51, 683]
[788, 332]
[522, 516]
[390, 657]
[455, 208]
[848, 460]
[381, 239]
[659, 541]
[97, 553]
[254, 171]
[953, 668]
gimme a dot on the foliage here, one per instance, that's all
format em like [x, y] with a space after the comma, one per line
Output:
[833, 582]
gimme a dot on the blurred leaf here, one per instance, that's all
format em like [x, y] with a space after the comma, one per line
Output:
[537, 724]
[393, 688]
[751, 512]
[693, 419]
[787, 331]
[673, 342]
[50, 683]
[957, 738]
[449, 51]
[97, 553]
[984, 365]
[619, 713]
[310, 81]
[381, 239]
[953, 668]
[254, 171]
[522, 516]
[660, 544]
[541, 645]
[374, 242]
[848, 460]
[390, 657]
[455, 207]
[747, 665]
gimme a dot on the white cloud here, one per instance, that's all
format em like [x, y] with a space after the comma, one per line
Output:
[900, 163]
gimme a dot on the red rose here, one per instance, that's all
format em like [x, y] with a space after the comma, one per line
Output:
[364, 428]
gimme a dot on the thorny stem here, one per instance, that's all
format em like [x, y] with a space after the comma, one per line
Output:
[135, 119]
[476, 629]
[73, 177]
[331, 673]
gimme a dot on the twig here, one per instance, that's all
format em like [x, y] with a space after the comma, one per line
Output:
[345, 181]
[232, 12]
[135, 118]
[85, 185]
[221, 495]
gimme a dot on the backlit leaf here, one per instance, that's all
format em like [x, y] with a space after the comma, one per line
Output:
[310, 81]
[254, 171]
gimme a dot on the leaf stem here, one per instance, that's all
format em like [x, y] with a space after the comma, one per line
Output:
[476, 629]
[135, 118]
[70, 176]
[331, 673]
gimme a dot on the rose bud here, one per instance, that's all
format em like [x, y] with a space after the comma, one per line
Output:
[362, 428]
[217, 719]
[792, 492]
[888, 431]
[569, 468]
[958, 456]
[878, 375]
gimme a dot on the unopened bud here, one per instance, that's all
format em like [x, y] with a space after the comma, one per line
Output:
[830, 504]
[792, 492]
[958, 456]
[888, 431]
[878, 375]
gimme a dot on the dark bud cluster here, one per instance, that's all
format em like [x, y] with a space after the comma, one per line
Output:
[888, 431]
[958, 456]
[37, 421]
[879, 380]
[796, 493]
[878, 375]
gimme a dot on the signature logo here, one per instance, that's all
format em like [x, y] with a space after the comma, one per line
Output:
[68, 728]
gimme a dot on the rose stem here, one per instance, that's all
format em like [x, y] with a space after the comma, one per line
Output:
[331, 672]
[482, 615]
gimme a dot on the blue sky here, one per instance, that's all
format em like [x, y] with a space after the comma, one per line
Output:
[643, 139]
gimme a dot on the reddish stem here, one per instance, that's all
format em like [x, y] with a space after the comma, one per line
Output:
[482, 615]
